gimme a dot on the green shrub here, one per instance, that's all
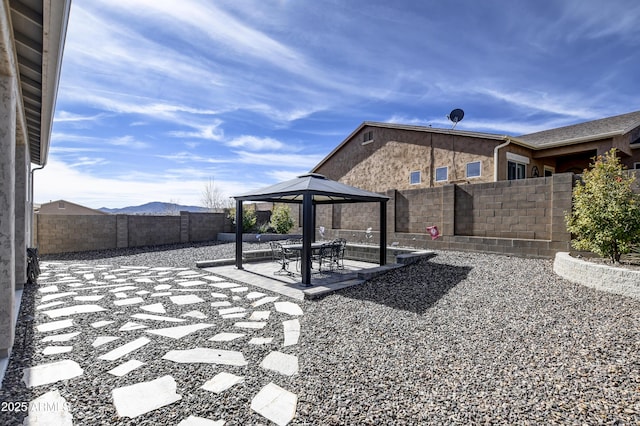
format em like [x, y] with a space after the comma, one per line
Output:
[248, 218]
[606, 212]
[265, 228]
[281, 220]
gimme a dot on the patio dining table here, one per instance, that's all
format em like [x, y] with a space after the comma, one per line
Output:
[315, 248]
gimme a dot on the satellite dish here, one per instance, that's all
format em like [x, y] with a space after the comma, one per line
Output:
[455, 116]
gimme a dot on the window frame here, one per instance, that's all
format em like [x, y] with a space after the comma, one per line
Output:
[435, 173]
[412, 174]
[466, 171]
[550, 170]
[517, 164]
[519, 160]
[367, 137]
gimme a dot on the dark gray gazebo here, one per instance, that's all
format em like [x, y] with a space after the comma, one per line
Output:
[309, 190]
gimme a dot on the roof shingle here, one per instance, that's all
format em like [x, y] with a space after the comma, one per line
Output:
[590, 130]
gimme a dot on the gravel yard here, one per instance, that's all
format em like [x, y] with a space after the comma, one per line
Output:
[462, 338]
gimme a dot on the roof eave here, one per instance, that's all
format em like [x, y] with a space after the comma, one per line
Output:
[572, 141]
[55, 22]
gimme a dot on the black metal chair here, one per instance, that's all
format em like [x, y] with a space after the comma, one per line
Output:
[323, 255]
[282, 257]
[339, 246]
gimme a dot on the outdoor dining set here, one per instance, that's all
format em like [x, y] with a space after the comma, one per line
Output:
[326, 255]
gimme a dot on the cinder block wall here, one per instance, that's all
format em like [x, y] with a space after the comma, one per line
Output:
[524, 217]
[75, 233]
[153, 230]
[205, 226]
[507, 209]
[68, 233]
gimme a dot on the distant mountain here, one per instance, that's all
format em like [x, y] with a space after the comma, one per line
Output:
[155, 208]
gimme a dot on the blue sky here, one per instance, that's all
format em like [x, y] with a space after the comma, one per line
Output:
[158, 97]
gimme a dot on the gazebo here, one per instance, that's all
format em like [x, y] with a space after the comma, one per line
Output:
[310, 190]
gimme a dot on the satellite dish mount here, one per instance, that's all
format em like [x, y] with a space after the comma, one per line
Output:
[455, 116]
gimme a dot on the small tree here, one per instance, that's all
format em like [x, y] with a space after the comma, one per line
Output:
[212, 199]
[606, 211]
[171, 208]
[281, 219]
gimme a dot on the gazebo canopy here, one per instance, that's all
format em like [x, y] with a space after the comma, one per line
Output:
[321, 190]
[311, 189]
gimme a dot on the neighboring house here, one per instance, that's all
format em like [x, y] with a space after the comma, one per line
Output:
[67, 208]
[384, 156]
[32, 35]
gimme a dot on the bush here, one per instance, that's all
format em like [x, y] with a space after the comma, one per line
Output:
[248, 218]
[606, 211]
[281, 220]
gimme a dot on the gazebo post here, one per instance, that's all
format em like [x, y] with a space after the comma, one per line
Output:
[383, 232]
[239, 234]
[313, 238]
[307, 232]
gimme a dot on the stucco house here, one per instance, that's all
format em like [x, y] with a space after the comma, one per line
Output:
[32, 35]
[385, 156]
[67, 208]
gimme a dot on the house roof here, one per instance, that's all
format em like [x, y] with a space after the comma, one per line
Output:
[78, 206]
[583, 132]
[35, 45]
[322, 190]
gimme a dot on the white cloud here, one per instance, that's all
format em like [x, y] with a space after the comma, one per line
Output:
[188, 157]
[128, 142]
[256, 143]
[211, 131]
[70, 117]
[58, 181]
[300, 161]
[88, 161]
[284, 175]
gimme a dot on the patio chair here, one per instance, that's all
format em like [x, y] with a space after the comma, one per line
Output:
[337, 259]
[282, 257]
[323, 255]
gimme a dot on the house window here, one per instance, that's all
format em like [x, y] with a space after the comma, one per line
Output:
[61, 205]
[549, 171]
[516, 170]
[367, 137]
[415, 178]
[636, 166]
[516, 166]
[442, 174]
[473, 169]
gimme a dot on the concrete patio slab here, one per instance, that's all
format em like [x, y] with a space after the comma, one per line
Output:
[261, 274]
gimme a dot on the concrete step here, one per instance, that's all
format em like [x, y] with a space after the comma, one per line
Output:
[320, 290]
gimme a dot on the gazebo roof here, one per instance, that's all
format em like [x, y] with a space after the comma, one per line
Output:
[322, 190]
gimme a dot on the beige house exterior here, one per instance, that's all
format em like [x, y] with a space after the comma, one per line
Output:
[67, 208]
[384, 156]
[32, 35]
